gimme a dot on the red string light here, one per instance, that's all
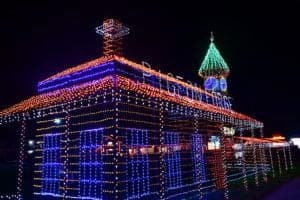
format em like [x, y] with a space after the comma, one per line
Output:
[83, 90]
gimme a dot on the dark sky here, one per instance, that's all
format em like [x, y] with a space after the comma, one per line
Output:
[259, 42]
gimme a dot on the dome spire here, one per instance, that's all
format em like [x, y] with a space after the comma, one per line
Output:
[212, 38]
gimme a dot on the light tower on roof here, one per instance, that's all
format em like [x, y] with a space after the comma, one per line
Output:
[113, 32]
[214, 69]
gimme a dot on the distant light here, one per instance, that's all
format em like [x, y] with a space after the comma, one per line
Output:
[237, 147]
[238, 154]
[228, 131]
[30, 151]
[143, 150]
[278, 137]
[214, 143]
[296, 142]
[110, 143]
[279, 144]
[57, 121]
[30, 143]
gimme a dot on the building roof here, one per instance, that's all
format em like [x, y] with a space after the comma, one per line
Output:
[104, 59]
[90, 88]
[58, 96]
[213, 63]
[80, 67]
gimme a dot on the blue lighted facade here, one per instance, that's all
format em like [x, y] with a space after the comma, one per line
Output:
[198, 158]
[173, 161]
[112, 144]
[51, 164]
[91, 164]
[137, 173]
[93, 73]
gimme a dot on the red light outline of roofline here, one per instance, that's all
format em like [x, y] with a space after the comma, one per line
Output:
[67, 94]
[125, 61]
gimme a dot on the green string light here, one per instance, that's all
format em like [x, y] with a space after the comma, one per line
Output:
[213, 63]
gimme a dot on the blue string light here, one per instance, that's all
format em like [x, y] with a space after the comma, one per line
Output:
[173, 162]
[198, 158]
[93, 73]
[219, 100]
[51, 164]
[138, 176]
[92, 175]
[90, 164]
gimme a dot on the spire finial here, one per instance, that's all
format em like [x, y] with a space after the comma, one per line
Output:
[212, 38]
[113, 31]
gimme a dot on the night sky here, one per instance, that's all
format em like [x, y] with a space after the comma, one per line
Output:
[259, 42]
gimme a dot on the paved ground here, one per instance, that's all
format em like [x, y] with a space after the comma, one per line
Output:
[290, 190]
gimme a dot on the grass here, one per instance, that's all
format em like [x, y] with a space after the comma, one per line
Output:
[259, 192]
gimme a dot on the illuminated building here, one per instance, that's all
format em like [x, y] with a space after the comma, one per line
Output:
[115, 129]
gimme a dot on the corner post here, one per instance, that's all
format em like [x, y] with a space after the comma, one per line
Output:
[21, 160]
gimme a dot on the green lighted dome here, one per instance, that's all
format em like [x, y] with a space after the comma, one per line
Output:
[213, 63]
